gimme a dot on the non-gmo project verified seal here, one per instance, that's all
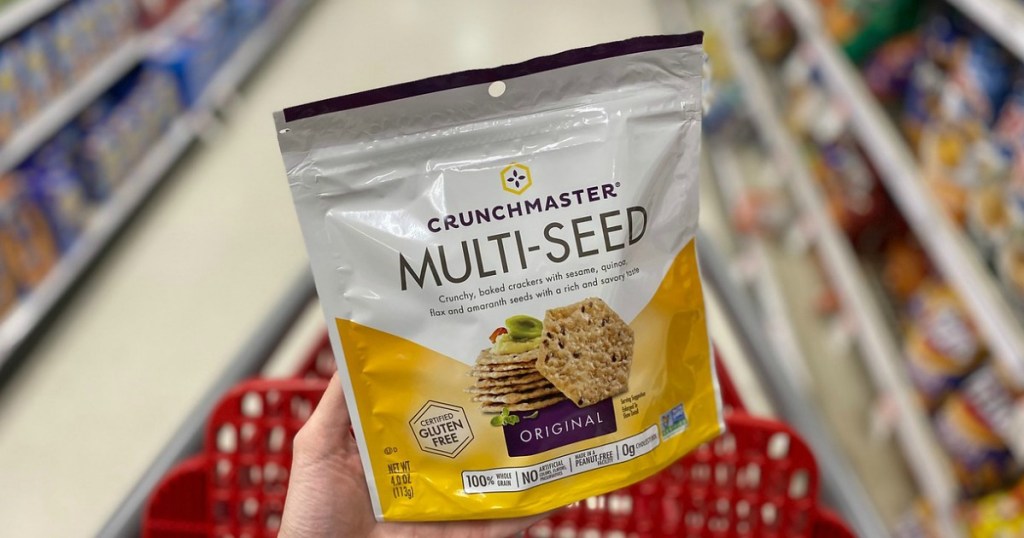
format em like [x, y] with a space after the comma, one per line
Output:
[673, 421]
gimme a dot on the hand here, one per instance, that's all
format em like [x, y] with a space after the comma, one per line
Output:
[327, 492]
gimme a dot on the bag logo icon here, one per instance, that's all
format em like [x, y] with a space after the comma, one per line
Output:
[515, 178]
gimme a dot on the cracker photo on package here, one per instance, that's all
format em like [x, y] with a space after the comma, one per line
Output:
[506, 260]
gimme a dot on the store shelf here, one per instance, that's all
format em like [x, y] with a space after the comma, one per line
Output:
[61, 110]
[947, 245]
[1002, 19]
[104, 225]
[68, 105]
[842, 488]
[882, 355]
[757, 266]
[101, 229]
[22, 13]
[225, 83]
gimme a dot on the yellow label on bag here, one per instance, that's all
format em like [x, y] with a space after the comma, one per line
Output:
[429, 442]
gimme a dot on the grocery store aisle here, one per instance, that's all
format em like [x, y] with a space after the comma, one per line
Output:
[207, 260]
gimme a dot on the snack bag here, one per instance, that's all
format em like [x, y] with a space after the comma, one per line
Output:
[507, 264]
[975, 426]
[997, 515]
[942, 346]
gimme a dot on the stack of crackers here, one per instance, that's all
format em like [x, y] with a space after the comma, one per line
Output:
[511, 381]
[585, 355]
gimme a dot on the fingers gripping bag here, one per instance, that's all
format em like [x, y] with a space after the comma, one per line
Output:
[507, 264]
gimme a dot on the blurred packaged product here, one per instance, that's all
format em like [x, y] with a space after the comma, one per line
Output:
[26, 242]
[55, 184]
[941, 344]
[857, 201]
[10, 97]
[841, 19]
[973, 426]
[943, 32]
[1015, 191]
[856, 198]
[62, 198]
[91, 39]
[918, 522]
[905, 268]
[988, 220]
[146, 104]
[770, 32]
[955, 150]
[72, 140]
[1008, 131]
[8, 287]
[979, 81]
[54, 53]
[194, 56]
[66, 62]
[36, 81]
[921, 100]
[153, 12]
[997, 515]
[955, 93]
[118, 19]
[806, 98]
[27, 101]
[861, 26]
[725, 112]
[953, 163]
[888, 70]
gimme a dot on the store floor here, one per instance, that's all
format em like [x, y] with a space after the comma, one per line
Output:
[211, 255]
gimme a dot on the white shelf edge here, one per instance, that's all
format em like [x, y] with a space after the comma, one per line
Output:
[1002, 19]
[930, 468]
[946, 244]
[147, 174]
[19, 15]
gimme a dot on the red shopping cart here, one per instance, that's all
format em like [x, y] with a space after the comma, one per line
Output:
[758, 480]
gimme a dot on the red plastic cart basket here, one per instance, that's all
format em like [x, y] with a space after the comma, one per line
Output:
[760, 479]
[319, 362]
[178, 507]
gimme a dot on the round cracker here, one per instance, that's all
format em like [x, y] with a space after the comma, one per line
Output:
[509, 388]
[502, 368]
[523, 406]
[486, 382]
[516, 397]
[504, 374]
[487, 357]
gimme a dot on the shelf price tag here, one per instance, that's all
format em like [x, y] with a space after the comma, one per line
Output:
[884, 417]
[799, 236]
[747, 265]
[840, 334]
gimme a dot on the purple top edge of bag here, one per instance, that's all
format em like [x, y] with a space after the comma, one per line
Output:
[481, 76]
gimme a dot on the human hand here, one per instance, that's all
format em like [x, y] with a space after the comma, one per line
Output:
[327, 492]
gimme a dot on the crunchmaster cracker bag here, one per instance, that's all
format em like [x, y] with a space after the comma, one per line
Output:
[506, 260]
